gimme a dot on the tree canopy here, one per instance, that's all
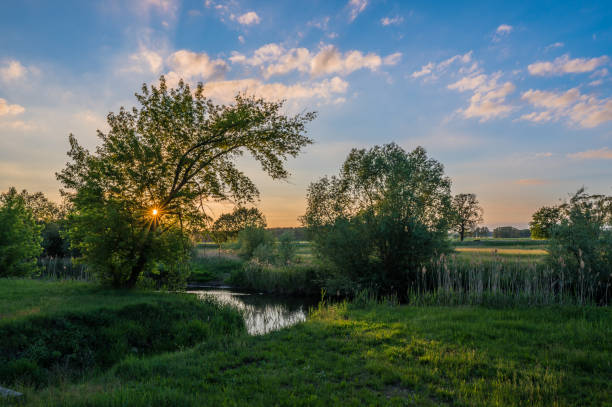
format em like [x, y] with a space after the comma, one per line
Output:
[159, 164]
[468, 213]
[385, 214]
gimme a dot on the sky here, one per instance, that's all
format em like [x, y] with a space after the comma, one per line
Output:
[514, 98]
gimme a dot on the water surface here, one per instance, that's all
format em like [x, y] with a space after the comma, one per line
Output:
[262, 313]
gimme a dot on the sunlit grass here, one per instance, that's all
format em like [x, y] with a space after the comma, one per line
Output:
[502, 251]
[379, 355]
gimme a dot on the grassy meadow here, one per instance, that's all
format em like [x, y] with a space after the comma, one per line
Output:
[376, 354]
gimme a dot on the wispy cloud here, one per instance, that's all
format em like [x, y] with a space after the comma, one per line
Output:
[488, 98]
[565, 65]
[432, 69]
[603, 153]
[355, 8]
[274, 59]
[579, 109]
[554, 45]
[7, 109]
[391, 20]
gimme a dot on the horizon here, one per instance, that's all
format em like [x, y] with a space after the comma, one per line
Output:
[514, 99]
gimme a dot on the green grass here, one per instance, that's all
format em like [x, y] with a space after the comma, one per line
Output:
[63, 331]
[378, 355]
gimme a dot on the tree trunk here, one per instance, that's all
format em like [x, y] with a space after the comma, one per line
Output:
[462, 232]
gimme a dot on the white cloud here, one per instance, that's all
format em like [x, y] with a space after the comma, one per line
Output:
[167, 8]
[241, 39]
[602, 154]
[555, 45]
[504, 29]
[433, 68]
[188, 65]
[12, 70]
[273, 59]
[488, 98]
[391, 20]
[327, 90]
[564, 65]
[355, 8]
[248, 18]
[579, 109]
[145, 60]
[7, 109]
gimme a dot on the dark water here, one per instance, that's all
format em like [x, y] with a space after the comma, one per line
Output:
[262, 313]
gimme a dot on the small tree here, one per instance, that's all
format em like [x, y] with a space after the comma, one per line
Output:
[252, 238]
[228, 225]
[156, 167]
[19, 236]
[543, 221]
[468, 213]
[385, 215]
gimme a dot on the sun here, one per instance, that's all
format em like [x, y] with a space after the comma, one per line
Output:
[154, 211]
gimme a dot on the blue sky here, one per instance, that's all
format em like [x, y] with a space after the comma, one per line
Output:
[514, 98]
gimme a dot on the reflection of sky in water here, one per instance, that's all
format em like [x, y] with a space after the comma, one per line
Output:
[262, 313]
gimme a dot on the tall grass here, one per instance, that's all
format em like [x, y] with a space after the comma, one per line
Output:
[63, 268]
[450, 280]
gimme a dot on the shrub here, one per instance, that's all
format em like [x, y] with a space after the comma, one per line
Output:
[250, 238]
[287, 280]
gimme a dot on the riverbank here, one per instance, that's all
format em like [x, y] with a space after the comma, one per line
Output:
[376, 355]
[66, 331]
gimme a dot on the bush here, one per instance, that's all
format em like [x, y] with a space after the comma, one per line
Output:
[252, 237]
[20, 240]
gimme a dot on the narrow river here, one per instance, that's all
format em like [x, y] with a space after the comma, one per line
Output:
[262, 313]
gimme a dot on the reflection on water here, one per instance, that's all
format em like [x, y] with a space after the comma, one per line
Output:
[262, 313]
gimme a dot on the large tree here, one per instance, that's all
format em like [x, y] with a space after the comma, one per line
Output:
[382, 218]
[149, 180]
[468, 213]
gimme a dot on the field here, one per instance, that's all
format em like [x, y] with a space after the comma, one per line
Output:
[377, 354]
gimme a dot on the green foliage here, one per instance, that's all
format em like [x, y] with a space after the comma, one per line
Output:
[250, 238]
[510, 232]
[144, 187]
[580, 246]
[385, 215]
[468, 213]
[20, 240]
[286, 248]
[543, 221]
[228, 225]
[45, 349]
